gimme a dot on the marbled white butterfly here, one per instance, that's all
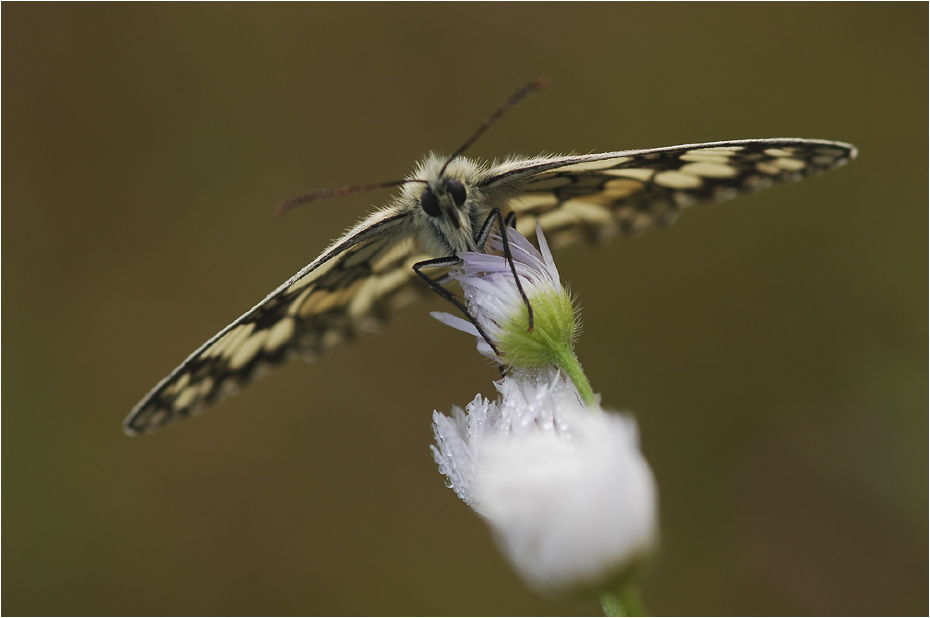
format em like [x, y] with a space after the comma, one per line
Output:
[445, 207]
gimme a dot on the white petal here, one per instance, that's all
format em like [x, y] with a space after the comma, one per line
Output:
[564, 487]
[569, 513]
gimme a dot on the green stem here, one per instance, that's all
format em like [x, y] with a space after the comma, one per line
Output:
[624, 602]
[568, 362]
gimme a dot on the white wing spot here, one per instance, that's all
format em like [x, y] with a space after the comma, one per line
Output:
[558, 219]
[555, 219]
[615, 190]
[279, 334]
[206, 385]
[179, 384]
[322, 301]
[229, 340]
[247, 349]
[678, 180]
[585, 211]
[636, 173]
[790, 164]
[532, 202]
[777, 152]
[709, 170]
[186, 397]
[377, 287]
[702, 156]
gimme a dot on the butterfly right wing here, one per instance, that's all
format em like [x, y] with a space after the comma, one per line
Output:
[595, 196]
[348, 289]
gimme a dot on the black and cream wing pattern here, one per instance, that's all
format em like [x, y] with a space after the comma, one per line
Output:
[368, 273]
[593, 197]
[350, 288]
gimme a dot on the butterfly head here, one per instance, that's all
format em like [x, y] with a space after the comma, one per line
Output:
[444, 200]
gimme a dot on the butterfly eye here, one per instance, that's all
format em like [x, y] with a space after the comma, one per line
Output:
[457, 190]
[429, 203]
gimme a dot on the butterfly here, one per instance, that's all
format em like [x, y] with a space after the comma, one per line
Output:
[446, 206]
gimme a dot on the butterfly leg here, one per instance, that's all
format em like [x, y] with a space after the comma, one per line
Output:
[502, 225]
[448, 262]
[511, 220]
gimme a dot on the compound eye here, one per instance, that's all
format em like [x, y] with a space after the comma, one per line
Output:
[429, 203]
[457, 190]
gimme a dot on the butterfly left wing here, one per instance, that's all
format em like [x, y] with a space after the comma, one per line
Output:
[595, 196]
[351, 287]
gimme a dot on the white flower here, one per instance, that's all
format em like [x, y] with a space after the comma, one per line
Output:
[561, 482]
[564, 487]
[495, 302]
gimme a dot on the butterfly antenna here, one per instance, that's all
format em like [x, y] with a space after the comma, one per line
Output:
[282, 208]
[525, 91]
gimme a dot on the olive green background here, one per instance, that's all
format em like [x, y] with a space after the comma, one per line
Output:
[772, 348]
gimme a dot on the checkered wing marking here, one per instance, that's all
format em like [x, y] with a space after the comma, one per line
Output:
[348, 289]
[595, 196]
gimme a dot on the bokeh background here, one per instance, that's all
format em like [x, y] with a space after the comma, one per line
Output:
[772, 348]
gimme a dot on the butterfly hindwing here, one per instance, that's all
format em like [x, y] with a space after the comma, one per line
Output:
[348, 289]
[596, 196]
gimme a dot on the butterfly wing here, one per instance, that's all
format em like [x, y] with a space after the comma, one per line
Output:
[368, 272]
[348, 289]
[596, 196]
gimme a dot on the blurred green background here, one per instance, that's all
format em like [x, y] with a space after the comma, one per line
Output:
[772, 348]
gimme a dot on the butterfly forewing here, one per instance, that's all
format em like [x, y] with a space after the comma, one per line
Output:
[349, 289]
[368, 273]
[596, 196]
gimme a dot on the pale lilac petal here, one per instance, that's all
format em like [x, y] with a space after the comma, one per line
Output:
[456, 322]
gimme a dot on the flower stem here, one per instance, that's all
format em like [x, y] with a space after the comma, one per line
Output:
[624, 602]
[568, 362]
